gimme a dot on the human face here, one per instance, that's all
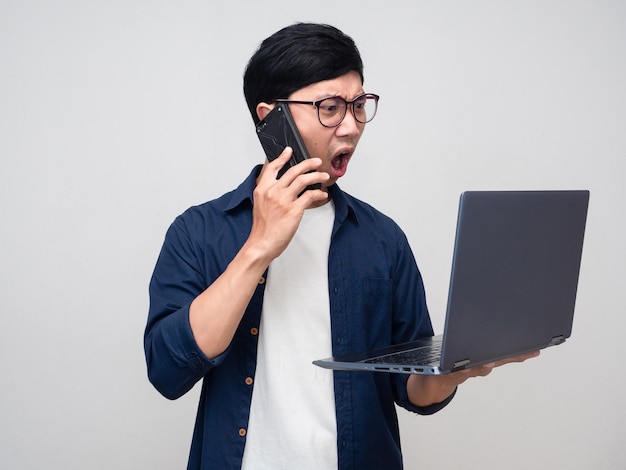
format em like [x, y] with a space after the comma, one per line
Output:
[335, 145]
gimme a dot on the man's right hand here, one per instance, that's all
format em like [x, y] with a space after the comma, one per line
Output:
[215, 314]
[280, 203]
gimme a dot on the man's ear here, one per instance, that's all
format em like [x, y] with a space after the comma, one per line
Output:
[263, 109]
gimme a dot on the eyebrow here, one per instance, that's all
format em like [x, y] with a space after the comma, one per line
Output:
[337, 95]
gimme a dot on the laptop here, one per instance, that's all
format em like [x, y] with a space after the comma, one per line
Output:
[512, 289]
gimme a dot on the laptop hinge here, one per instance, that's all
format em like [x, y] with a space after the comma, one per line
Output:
[557, 340]
[460, 364]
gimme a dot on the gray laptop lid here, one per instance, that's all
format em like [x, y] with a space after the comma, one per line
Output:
[515, 273]
[513, 283]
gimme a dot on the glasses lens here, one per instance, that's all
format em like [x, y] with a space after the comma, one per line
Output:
[365, 108]
[332, 111]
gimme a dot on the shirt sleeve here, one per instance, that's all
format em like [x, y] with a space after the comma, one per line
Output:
[411, 318]
[403, 400]
[174, 360]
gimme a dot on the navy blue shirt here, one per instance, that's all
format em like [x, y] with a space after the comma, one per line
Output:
[376, 299]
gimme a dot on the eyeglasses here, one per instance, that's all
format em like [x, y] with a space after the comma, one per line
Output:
[332, 111]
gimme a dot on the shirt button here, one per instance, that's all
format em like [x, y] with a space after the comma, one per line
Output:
[261, 280]
[254, 331]
[242, 432]
[249, 380]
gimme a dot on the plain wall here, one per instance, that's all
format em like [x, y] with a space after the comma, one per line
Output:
[115, 116]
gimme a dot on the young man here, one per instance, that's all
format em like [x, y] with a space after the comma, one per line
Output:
[252, 287]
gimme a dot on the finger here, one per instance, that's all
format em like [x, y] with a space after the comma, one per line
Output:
[306, 166]
[313, 177]
[520, 358]
[275, 165]
[269, 172]
[307, 198]
[484, 370]
[302, 175]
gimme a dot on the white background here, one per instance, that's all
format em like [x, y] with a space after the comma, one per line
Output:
[115, 116]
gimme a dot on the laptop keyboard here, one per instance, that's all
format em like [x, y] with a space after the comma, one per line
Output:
[419, 356]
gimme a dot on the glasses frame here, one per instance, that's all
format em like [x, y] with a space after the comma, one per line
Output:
[345, 109]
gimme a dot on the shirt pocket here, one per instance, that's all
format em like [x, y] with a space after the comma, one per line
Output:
[377, 309]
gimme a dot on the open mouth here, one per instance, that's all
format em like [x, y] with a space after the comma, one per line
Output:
[340, 163]
[337, 162]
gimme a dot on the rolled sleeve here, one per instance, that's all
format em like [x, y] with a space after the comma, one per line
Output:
[403, 398]
[174, 360]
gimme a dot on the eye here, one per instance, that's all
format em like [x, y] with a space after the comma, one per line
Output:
[329, 106]
[360, 102]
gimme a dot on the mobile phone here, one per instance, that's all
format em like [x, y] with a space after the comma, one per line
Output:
[277, 131]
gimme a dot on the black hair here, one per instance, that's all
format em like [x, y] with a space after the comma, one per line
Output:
[297, 56]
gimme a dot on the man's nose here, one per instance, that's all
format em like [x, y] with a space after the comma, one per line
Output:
[349, 125]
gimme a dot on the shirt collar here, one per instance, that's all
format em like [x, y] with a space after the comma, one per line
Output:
[344, 208]
[244, 193]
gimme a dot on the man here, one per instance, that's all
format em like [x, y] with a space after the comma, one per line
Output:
[250, 288]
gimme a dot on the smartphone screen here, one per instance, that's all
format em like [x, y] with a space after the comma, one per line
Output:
[277, 131]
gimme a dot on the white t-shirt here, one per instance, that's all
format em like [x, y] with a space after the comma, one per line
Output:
[292, 416]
